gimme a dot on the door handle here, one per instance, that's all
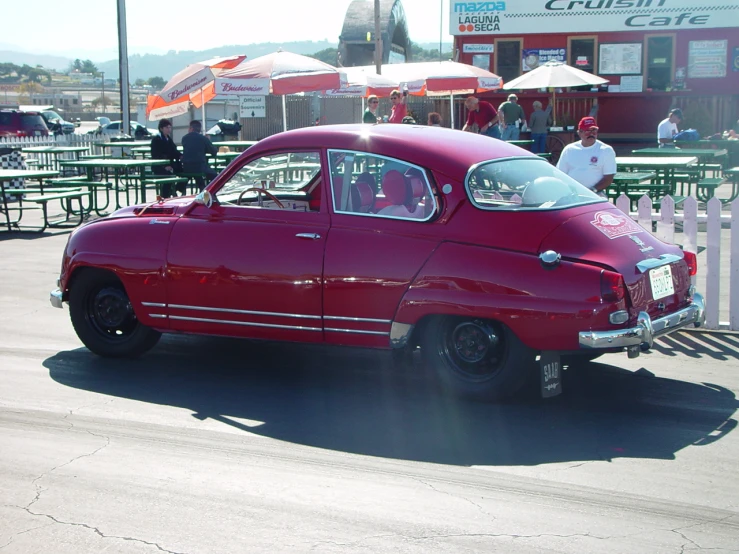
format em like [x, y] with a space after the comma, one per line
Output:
[311, 236]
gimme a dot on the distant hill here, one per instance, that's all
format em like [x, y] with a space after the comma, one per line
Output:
[144, 66]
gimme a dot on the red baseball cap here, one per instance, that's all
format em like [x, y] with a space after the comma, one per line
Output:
[587, 123]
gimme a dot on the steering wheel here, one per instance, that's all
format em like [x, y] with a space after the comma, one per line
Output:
[259, 191]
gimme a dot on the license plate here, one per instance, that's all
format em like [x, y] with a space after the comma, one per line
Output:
[551, 374]
[661, 279]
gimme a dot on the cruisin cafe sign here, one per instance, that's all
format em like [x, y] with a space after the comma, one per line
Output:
[514, 17]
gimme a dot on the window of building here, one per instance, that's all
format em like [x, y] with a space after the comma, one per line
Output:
[582, 52]
[660, 61]
[508, 58]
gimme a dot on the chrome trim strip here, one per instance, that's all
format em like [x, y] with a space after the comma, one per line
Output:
[245, 323]
[55, 297]
[399, 334]
[158, 316]
[366, 319]
[383, 333]
[651, 263]
[153, 305]
[243, 312]
[646, 330]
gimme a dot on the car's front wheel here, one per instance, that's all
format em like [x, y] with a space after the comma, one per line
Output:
[476, 358]
[104, 319]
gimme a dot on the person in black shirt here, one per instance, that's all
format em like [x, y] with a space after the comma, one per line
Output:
[164, 148]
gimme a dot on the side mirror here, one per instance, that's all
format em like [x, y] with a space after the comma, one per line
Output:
[205, 198]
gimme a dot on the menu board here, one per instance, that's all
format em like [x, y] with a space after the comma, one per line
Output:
[707, 58]
[620, 59]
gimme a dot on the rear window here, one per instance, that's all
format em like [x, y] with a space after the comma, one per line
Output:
[31, 121]
[525, 183]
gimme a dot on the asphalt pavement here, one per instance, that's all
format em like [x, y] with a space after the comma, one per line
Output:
[220, 445]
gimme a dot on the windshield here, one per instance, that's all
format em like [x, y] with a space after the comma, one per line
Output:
[51, 115]
[525, 183]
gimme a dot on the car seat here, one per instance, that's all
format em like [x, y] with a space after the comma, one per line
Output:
[398, 191]
[363, 193]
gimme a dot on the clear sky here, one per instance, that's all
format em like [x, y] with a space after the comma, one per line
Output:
[157, 26]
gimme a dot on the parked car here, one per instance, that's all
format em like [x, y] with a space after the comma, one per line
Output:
[17, 123]
[107, 127]
[52, 119]
[482, 254]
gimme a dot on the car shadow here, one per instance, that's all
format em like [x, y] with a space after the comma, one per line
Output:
[359, 401]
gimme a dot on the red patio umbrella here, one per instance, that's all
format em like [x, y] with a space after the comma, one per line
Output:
[278, 73]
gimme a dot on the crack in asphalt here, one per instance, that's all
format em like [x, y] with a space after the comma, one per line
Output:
[475, 504]
[462, 535]
[23, 532]
[40, 490]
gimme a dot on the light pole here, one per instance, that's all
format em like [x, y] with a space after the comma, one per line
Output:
[102, 73]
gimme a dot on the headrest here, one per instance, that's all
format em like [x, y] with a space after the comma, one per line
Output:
[395, 187]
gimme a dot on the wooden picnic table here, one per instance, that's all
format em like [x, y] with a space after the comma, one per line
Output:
[704, 155]
[128, 172]
[7, 175]
[733, 175]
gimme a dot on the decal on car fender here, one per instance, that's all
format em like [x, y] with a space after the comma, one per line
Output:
[615, 225]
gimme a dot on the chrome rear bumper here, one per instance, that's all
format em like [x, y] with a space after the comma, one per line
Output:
[643, 334]
[55, 297]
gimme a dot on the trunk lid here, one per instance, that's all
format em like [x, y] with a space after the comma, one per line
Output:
[611, 239]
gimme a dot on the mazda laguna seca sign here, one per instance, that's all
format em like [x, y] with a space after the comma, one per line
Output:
[506, 17]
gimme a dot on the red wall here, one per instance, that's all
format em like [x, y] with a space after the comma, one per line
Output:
[726, 85]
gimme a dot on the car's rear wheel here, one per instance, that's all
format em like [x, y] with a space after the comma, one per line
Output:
[476, 358]
[104, 319]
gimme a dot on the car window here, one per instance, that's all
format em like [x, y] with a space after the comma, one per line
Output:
[370, 185]
[30, 121]
[5, 118]
[291, 178]
[50, 114]
[524, 183]
[113, 126]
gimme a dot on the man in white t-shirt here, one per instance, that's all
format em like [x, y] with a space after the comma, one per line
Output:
[589, 161]
[667, 128]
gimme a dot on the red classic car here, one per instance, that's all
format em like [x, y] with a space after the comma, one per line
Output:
[482, 254]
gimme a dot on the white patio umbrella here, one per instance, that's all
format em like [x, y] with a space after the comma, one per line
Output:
[278, 73]
[363, 82]
[551, 75]
[441, 79]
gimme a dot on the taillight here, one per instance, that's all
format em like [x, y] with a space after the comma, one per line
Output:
[692, 260]
[612, 286]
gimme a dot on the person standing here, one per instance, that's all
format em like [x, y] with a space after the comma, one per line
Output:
[538, 123]
[589, 161]
[400, 110]
[434, 119]
[667, 128]
[164, 148]
[483, 115]
[195, 146]
[511, 116]
[370, 114]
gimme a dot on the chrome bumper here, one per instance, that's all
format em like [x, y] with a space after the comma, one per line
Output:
[55, 297]
[646, 330]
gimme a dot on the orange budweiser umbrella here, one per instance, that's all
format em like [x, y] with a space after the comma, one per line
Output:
[192, 84]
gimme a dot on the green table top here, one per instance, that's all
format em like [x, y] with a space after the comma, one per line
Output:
[520, 142]
[54, 149]
[677, 152]
[667, 162]
[11, 174]
[629, 178]
[236, 143]
[123, 144]
[114, 163]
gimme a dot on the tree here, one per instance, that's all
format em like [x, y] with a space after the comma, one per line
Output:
[25, 91]
[100, 101]
[77, 65]
[89, 67]
[36, 74]
[326, 56]
[7, 69]
[156, 82]
[139, 83]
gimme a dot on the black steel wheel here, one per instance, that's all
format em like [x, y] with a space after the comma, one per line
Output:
[554, 145]
[476, 358]
[104, 319]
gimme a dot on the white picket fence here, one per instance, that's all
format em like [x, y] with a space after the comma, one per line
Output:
[691, 220]
[62, 140]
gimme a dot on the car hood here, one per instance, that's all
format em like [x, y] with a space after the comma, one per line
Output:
[609, 238]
